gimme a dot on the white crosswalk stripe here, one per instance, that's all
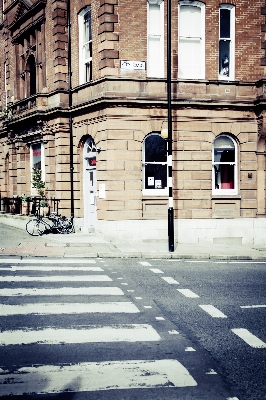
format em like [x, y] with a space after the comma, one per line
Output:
[34, 295]
[88, 334]
[65, 291]
[96, 376]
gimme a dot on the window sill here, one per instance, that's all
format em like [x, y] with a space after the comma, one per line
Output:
[226, 196]
[155, 192]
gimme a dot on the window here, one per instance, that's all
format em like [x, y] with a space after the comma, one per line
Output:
[155, 35]
[224, 165]
[85, 46]
[191, 40]
[31, 68]
[154, 165]
[227, 42]
[37, 158]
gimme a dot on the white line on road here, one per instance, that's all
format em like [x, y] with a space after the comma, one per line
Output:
[85, 334]
[50, 268]
[58, 278]
[213, 311]
[67, 308]
[65, 291]
[170, 280]
[255, 306]
[249, 338]
[145, 263]
[188, 293]
[107, 375]
[156, 271]
[46, 261]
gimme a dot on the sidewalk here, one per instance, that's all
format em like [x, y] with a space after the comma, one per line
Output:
[91, 246]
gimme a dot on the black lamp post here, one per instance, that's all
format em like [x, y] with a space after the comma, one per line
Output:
[169, 140]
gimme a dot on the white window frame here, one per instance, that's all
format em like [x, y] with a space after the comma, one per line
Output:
[201, 61]
[42, 159]
[153, 192]
[231, 40]
[159, 73]
[83, 61]
[220, 191]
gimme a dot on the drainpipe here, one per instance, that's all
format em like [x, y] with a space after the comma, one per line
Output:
[70, 114]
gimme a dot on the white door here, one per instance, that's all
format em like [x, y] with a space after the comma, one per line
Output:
[89, 184]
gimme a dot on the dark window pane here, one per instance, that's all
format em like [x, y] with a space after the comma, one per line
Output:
[155, 149]
[224, 23]
[155, 176]
[224, 57]
[222, 155]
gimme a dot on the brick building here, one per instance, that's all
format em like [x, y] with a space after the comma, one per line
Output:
[84, 99]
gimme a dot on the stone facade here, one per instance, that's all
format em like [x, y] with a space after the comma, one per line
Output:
[44, 102]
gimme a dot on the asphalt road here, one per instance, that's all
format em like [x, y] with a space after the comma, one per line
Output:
[132, 329]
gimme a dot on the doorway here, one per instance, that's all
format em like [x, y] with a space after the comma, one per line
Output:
[89, 184]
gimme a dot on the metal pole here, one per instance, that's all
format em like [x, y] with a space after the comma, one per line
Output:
[70, 114]
[169, 152]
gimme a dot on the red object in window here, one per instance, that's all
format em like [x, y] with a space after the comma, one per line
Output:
[92, 161]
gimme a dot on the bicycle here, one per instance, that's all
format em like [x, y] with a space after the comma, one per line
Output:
[53, 223]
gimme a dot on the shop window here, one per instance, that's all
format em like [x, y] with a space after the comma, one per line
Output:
[155, 64]
[85, 46]
[191, 40]
[224, 165]
[227, 42]
[37, 158]
[154, 165]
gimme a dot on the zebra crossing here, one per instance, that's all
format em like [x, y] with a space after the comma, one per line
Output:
[48, 306]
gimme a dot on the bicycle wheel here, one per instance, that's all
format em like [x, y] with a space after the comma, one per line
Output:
[32, 227]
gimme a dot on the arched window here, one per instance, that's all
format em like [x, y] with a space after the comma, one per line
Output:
[224, 165]
[154, 165]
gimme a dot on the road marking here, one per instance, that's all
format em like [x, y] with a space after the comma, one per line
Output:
[246, 262]
[188, 293]
[49, 268]
[255, 306]
[211, 372]
[189, 349]
[65, 291]
[156, 271]
[213, 311]
[50, 261]
[107, 375]
[170, 280]
[249, 338]
[87, 334]
[67, 308]
[145, 263]
[58, 278]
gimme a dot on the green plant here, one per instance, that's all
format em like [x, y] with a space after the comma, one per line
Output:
[37, 181]
[43, 203]
[25, 198]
